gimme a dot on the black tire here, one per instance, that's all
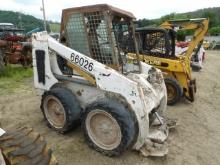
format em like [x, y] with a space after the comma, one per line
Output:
[195, 67]
[125, 119]
[70, 106]
[173, 84]
[25, 147]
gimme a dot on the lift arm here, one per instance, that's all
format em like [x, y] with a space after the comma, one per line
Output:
[92, 70]
[200, 25]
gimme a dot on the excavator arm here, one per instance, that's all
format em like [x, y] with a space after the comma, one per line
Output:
[200, 25]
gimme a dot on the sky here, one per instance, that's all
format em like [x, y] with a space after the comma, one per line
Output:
[148, 9]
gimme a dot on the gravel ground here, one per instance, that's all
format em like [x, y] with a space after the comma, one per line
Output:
[195, 141]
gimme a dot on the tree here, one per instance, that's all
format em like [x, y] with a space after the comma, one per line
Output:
[214, 30]
[211, 16]
[27, 22]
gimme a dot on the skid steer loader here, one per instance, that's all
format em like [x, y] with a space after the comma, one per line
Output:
[119, 103]
[157, 48]
[25, 147]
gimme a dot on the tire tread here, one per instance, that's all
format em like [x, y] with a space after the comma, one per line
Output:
[16, 152]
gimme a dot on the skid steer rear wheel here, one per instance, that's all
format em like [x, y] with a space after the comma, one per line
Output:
[174, 90]
[109, 127]
[25, 147]
[61, 109]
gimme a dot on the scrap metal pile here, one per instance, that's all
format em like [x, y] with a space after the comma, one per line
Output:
[14, 48]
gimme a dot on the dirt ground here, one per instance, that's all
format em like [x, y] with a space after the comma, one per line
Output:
[195, 141]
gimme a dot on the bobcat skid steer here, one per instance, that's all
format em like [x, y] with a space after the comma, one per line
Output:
[119, 103]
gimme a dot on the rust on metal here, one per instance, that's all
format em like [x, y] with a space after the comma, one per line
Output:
[99, 7]
[3, 43]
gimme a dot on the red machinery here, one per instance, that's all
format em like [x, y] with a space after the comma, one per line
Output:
[16, 51]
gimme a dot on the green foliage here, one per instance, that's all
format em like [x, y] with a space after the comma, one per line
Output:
[11, 77]
[211, 16]
[181, 35]
[212, 13]
[26, 22]
[147, 22]
[174, 16]
[214, 30]
[54, 27]
[16, 73]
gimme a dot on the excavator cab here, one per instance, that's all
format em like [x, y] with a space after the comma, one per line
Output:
[102, 32]
[158, 42]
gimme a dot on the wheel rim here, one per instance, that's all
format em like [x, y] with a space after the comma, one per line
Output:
[103, 129]
[54, 112]
[171, 92]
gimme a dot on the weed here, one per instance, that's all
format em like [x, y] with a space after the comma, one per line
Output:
[12, 76]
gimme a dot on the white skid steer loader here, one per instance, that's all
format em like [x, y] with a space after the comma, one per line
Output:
[118, 108]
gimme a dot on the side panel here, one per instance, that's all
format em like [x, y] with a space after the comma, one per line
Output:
[48, 80]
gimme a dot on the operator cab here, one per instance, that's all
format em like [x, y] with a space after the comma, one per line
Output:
[102, 32]
[156, 42]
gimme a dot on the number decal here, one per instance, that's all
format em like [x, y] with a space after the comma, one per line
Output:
[81, 62]
[72, 57]
[86, 64]
[77, 59]
[90, 66]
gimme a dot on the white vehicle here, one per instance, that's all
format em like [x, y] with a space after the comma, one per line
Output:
[118, 108]
[197, 58]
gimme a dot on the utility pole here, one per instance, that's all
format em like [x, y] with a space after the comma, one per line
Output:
[45, 23]
[20, 20]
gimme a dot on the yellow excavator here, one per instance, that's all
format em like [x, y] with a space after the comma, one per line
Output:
[157, 48]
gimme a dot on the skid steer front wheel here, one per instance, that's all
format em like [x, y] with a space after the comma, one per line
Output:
[174, 90]
[25, 147]
[61, 109]
[109, 127]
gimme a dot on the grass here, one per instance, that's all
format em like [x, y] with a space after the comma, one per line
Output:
[12, 76]
[55, 27]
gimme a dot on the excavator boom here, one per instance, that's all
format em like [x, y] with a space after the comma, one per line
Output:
[200, 25]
